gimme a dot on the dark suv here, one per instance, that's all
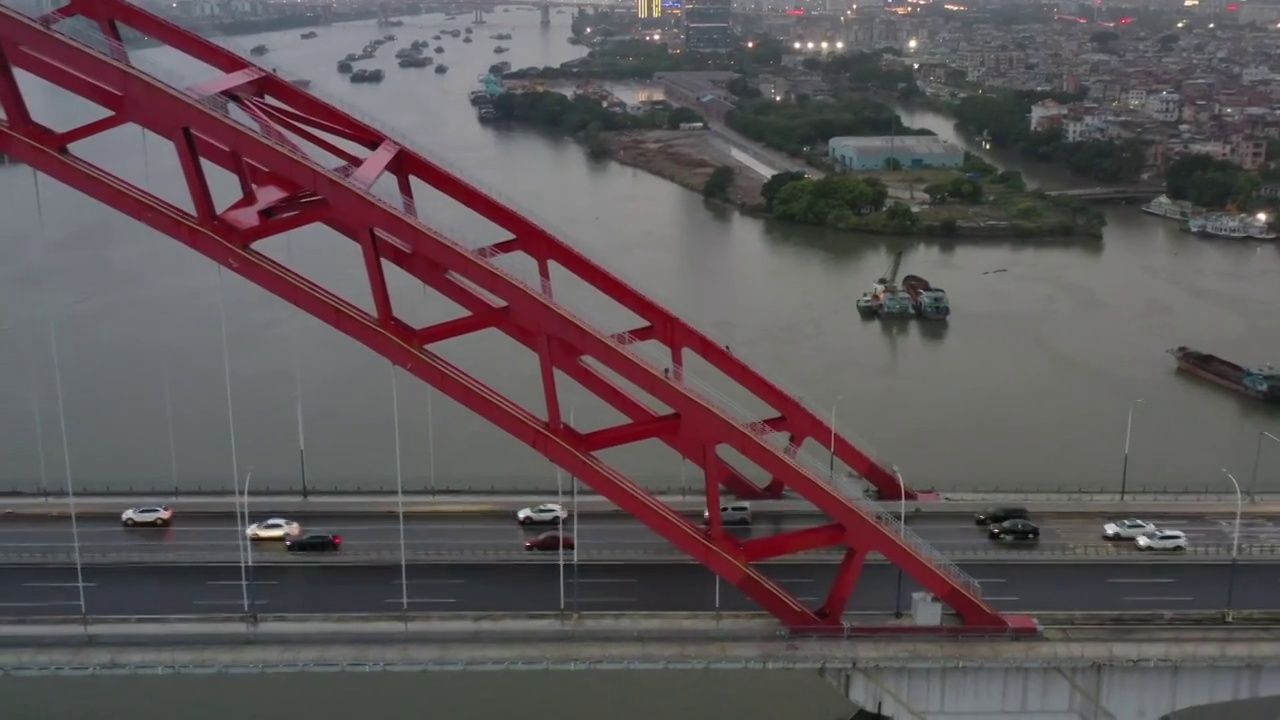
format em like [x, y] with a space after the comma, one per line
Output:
[997, 515]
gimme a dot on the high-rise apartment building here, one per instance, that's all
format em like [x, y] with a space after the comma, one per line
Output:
[649, 9]
[706, 24]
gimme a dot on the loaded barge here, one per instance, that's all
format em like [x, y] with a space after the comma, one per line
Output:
[928, 302]
[1261, 383]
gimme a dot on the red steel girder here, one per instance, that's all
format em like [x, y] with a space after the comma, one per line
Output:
[678, 336]
[280, 177]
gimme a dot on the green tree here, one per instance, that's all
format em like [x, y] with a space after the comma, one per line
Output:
[900, 214]
[774, 185]
[719, 183]
[892, 164]
[937, 192]
[681, 115]
[1209, 182]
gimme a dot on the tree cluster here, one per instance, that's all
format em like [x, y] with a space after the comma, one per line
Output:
[835, 200]
[1102, 160]
[1210, 183]
[794, 127]
[557, 111]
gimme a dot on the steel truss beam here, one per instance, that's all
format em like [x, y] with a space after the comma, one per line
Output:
[283, 189]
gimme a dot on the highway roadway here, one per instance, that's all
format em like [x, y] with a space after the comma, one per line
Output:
[599, 587]
[217, 537]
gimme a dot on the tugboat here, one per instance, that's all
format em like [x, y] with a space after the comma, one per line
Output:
[1260, 383]
[499, 50]
[442, 69]
[259, 50]
[416, 61]
[886, 300]
[466, 39]
[344, 67]
[310, 35]
[928, 302]
[439, 49]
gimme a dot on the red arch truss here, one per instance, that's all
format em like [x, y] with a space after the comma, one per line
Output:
[284, 189]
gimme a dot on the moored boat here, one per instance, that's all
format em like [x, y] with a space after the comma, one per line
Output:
[1262, 383]
[928, 302]
[1166, 207]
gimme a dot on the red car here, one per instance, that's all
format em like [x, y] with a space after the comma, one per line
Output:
[550, 541]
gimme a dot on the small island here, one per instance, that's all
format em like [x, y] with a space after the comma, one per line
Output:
[960, 196]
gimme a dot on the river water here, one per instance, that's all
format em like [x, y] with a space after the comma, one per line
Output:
[1028, 387]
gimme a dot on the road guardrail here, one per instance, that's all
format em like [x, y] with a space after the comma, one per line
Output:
[995, 552]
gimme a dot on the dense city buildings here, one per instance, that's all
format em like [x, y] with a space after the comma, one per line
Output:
[707, 25]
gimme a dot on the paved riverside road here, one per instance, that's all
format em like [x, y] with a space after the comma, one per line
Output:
[609, 587]
[215, 537]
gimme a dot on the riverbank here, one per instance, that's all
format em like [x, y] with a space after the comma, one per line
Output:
[688, 159]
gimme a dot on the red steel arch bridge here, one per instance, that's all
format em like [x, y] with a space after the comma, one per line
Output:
[253, 124]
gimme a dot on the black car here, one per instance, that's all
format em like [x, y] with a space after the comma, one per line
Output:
[997, 515]
[1014, 530]
[314, 543]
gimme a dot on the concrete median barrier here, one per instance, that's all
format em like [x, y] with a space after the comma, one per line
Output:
[1058, 506]
[1066, 553]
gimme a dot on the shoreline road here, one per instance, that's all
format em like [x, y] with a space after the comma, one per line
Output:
[214, 538]
[31, 592]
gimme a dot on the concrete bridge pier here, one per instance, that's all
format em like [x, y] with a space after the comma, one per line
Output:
[544, 14]
[479, 17]
[992, 690]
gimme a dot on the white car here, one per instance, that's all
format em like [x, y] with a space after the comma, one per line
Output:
[1162, 540]
[548, 514]
[154, 515]
[1126, 529]
[273, 529]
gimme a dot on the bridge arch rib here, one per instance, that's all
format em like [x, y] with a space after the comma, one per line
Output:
[284, 189]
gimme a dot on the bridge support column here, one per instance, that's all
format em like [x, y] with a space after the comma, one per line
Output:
[544, 11]
[1099, 691]
[479, 18]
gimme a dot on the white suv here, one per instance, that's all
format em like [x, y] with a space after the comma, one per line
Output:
[156, 515]
[550, 513]
[1162, 540]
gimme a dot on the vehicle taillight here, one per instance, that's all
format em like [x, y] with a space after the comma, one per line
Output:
[337, 540]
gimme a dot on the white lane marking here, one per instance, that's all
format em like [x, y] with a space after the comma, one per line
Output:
[59, 585]
[807, 599]
[1140, 580]
[1007, 599]
[1159, 599]
[242, 582]
[228, 602]
[421, 600]
[430, 581]
[607, 599]
[38, 604]
[601, 580]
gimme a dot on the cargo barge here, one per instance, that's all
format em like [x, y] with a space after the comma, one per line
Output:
[928, 302]
[1261, 383]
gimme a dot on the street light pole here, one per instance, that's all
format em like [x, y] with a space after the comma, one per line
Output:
[902, 531]
[248, 554]
[1128, 435]
[1235, 545]
[831, 472]
[1257, 455]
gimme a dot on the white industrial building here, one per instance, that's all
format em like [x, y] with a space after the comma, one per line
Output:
[911, 151]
